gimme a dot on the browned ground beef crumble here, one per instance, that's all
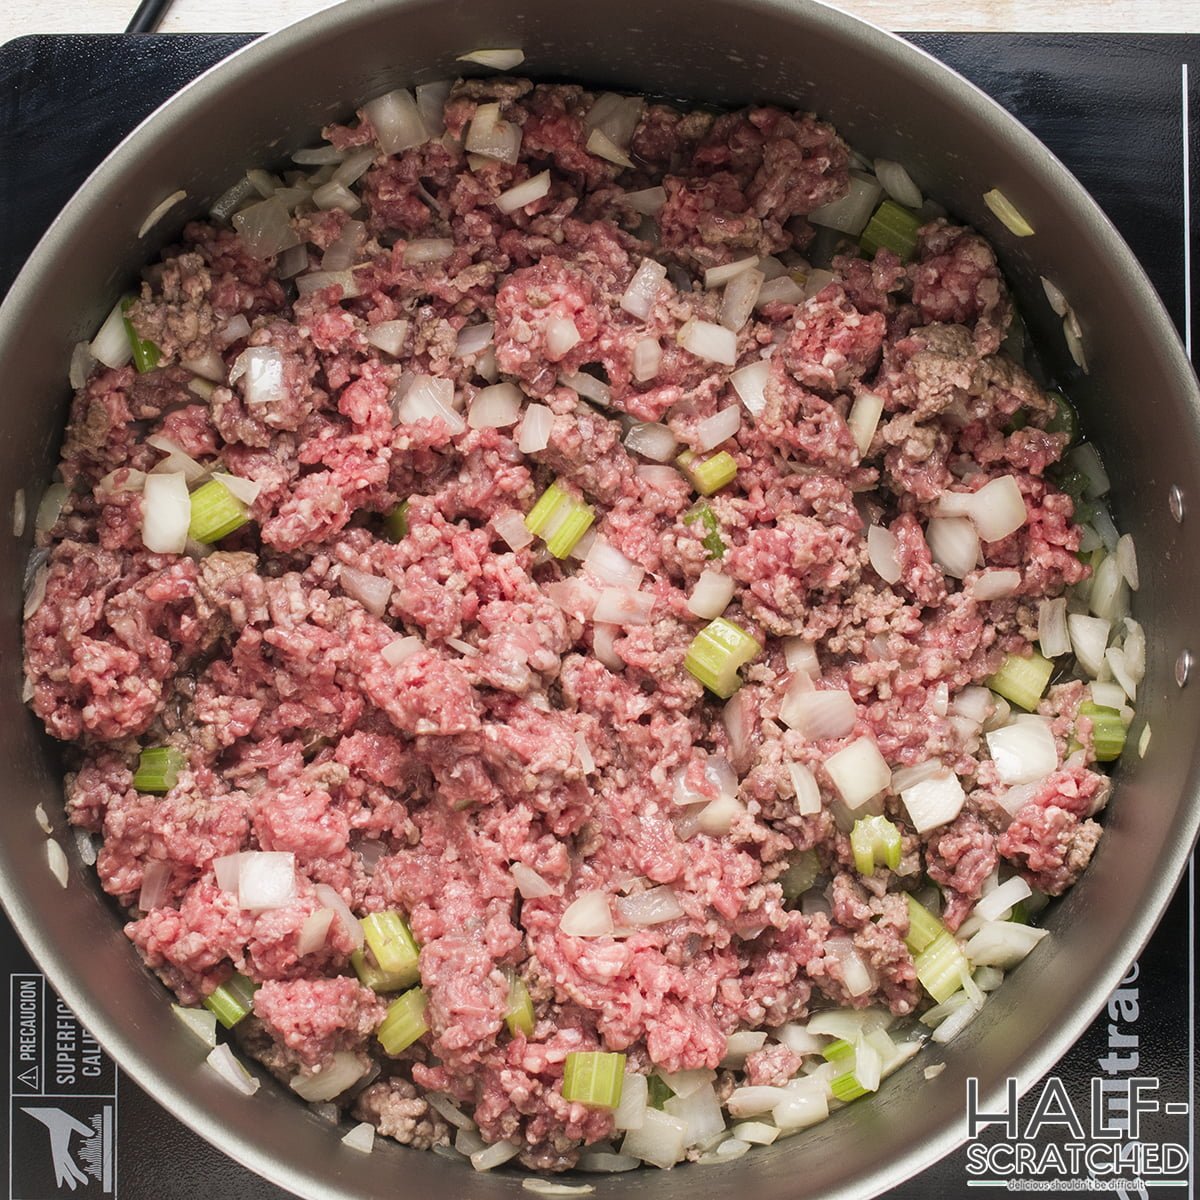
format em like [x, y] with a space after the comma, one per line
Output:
[506, 739]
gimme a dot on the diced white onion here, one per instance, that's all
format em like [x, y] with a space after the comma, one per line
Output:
[587, 916]
[265, 228]
[801, 655]
[699, 1110]
[801, 1108]
[430, 398]
[261, 369]
[431, 103]
[314, 931]
[647, 358]
[397, 121]
[898, 183]
[739, 298]
[562, 337]
[1108, 695]
[1089, 639]
[222, 1060]
[999, 901]
[954, 544]
[343, 1072]
[934, 801]
[511, 527]
[661, 1140]
[50, 507]
[752, 1101]
[588, 386]
[499, 60]
[111, 345]
[396, 652]
[1052, 628]
[535, 429]
[1115, 658]
[783, 289]
[648, 201]
[1002, 943]
[718, 428]
[1127, 560]
[343, 251]
[907, 777]
[159, 211]
[176, 461]
[823, 714]
[330, 898]
[1058, 302]
[639, 296]
[804, 784]
[863, 420]
[1086, 459]
[883, 550]
[619, 606]
[335, 195]
[81, 364]
[496, 407]
[956, 1022]
[856, 975]
[995, 584]
[651, 441]
[998, 509]
[524, 193]
[716, 819]
[472, 339]
[1023, 751]
[715, 277]
[371, 591]
[1108, 596]
[1135, 650]
[266, 879]
[450, 1111]
[426, 250]
[738, 1045]
[490, 136]
[529, 883]
[651, 907]
[156, 878]
[36, 594]
[200, 1021]
[601, 145]
[713, 343]
[166, 513]
[630, 1112]
[750, 382]
[361, 1138]
[711, 595]
[39, 815]
[56, 859]
[799, 1040]
[608, 564]
[858, 771]
[604, 1163]
[851, 212]
[548, 1187]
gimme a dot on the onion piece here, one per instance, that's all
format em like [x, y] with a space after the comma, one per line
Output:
[1053, 637]
[856, 975]
[1023, 751]
[898, 183]
[700, 1110]
[954, 544]
[1000, 900]
[1057, 301]
[529, 883]
[535, 429]
[858, 771]
[361, 1138]
[335, 195]
[619, 606]
[1108, 596]
[330, 898]
[266, 879]
[754, 1100]
[111, 345]
[661, 1140]
[934, 801]
[491, 137]
[588, 915]
[750, 384]
[1135, 650]
[50, 507]
[801, 1108]
[648, 201]
[995, 584]
[711, 595]
[823, 714]
[801, 655]
[718, 428]
[343, 1072]
[652, 441]
[371, 591]
[430, 398]
[426, 250]
[81, 365]
[343, 251]
[883, 550]
[431, 104]
[156, 879]
[511, 527]
[265, 228]
[496, 407]
[36, 593]
[472, 339]
[607, 563]
[1089, 639]
[1127, 560]
[1086, 458]
[851, 212]
[499, 60]
[783, 289]
[602, 146]
[642, 291]
[159, 211]
[713, 343]
[223, 1061]
[314, 931]
[863, 420]
[1002, 944]
[199, 1021]
[396, 121]
[654, 906]
[738, 1045]
[562, 336]
[56, 860]
[524, 193]
[804, 784]
[998, 509]
[400, 650]
[1115, 658]
[647, 358]
[166, 513]
[715, 277]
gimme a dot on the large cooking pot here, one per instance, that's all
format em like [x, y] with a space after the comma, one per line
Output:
[1140, 403]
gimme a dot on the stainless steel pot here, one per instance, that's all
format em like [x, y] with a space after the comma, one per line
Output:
[1140, 402]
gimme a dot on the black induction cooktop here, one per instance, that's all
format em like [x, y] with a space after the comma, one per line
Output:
[1117, 1114]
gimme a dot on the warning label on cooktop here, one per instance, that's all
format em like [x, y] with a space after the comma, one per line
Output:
[63, 1108]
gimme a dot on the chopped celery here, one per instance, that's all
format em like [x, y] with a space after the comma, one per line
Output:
[216, 512]
[801, 875]
[874, 840]
[941, 965]
[923, 927]
[710, 474]
[712, 540]
[1020, 913]
[837, 1050]
[404, 1023]
[717, 653]
[845, 1087]
[393, 946]
[1074, 483]
[396, 522]
[1022, 679]
[893, 226]
[146, 355]
[371, 974]
[560, 520]
[232, 1001]
[594, 1077]
[1108, 730]
[518, 1015]
[1064, 420]
[158, 769]
[658, 1091]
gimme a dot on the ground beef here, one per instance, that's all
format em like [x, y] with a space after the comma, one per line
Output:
[403, 707]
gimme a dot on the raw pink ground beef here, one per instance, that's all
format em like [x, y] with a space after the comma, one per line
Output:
[521, 731]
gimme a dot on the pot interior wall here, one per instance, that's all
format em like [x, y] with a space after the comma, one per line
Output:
[1139, 403]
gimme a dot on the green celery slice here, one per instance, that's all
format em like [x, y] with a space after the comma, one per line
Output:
[1108, 730]
[158, 769]
[923, 927]
[708, 475]
[216, 513]
[717, 653]
[594, 1077]
[518, 1014]
[146, 355]
[396, 522]
[232, 1001]
[393, 946]
[893, 226]
[405, 1022]
[940, 966]
[1022, 679]
[875, 840]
